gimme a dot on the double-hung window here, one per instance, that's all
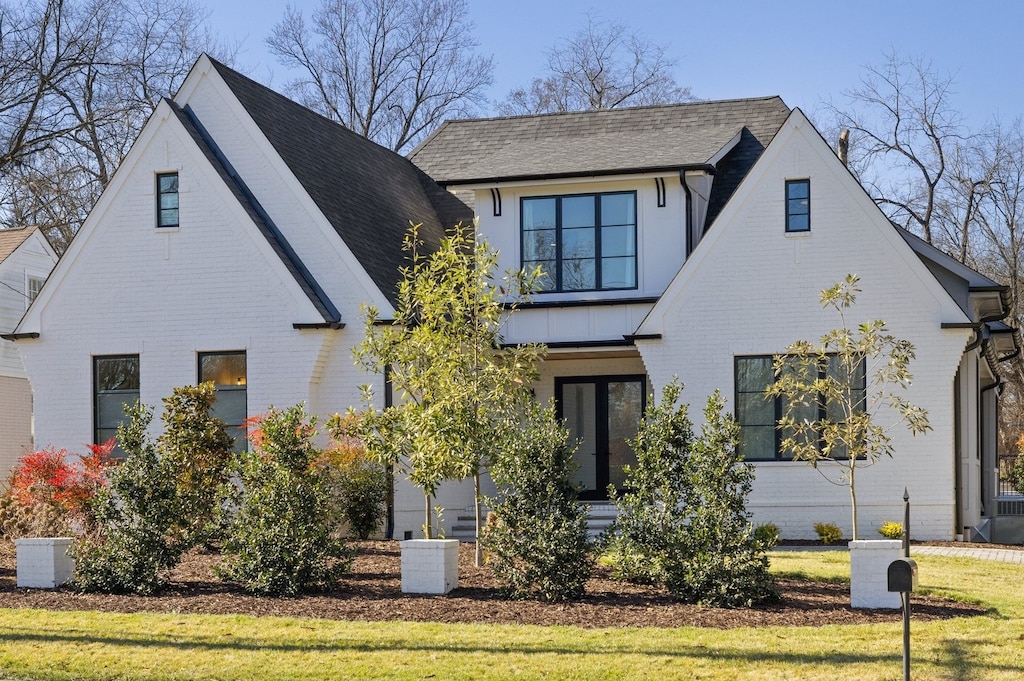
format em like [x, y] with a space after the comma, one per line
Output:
[758, 414]
[227, 371]
[33, 285]
[115, 386]
[582, 242]
[167, 200]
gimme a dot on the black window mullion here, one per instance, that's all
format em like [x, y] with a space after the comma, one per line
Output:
[598, 278]
[558, 243]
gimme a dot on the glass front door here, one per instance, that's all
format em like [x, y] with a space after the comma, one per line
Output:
[602, 414]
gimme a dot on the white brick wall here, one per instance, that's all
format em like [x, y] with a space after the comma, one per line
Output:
[751, 289]
[211, 284]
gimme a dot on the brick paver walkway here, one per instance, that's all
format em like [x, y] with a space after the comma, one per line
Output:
[1004, 555]
[994, 553]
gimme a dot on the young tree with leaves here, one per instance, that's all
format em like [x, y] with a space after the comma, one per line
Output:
[836, 392]
[458, 392]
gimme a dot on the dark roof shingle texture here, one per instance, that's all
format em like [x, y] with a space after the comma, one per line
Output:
[598, 142]
[368, 193]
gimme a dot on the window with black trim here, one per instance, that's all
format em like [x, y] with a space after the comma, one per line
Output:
[227, 371]
[798, 205]
[583, 242]
[167, 200]
[115, 386]
[757, 413]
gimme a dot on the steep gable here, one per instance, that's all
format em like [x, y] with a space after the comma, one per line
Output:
[849, 234]
[368, 193]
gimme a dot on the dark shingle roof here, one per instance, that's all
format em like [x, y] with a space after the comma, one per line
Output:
[593, 142]
[368, 193]
[606, 142]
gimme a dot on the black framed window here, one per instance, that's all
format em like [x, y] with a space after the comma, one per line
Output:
[227, 372]
[583, 242]
[757, 414]
[798, 205]
[167, 200]
[115, 386]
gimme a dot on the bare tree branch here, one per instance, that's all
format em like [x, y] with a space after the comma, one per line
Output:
[390, 70]
[602, 66]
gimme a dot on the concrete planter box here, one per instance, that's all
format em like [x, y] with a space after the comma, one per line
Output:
[429, 566]
[869, 568]
[43, 562]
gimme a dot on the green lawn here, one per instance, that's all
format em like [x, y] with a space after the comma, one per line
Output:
[39, 644]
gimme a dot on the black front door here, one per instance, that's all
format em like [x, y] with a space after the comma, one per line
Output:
[602, 413]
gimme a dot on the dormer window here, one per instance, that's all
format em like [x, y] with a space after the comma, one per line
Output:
[798, 205]
[582, 242]
[167, 200]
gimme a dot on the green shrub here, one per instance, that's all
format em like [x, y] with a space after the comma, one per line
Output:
[133, 546]
[196, 446]
[1017, 473]
[891, 530]
[280, 540]
[358, 486]
[767, 535]
[829, 533]
[536, 535]
[684, 522]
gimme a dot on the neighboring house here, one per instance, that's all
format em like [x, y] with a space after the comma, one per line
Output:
[693, 241]
[239, 238]
[26, 259]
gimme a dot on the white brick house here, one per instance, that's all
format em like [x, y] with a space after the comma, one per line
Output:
[727, 283]
[26, 258]
[242, 233]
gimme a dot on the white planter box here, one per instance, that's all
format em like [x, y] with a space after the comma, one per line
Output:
[43, 562]
[429, 566]
[869, 573]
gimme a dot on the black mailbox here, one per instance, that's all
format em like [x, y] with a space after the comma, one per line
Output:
[903, 575]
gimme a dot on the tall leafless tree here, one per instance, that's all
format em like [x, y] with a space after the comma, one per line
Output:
[391, 70]
[904, 130]
[78, 80]
[602, 66]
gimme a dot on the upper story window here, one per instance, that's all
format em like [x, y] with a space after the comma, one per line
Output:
[167, 200]
[227, 372]
[798, 205]
[757, 414]
[583, 242]
[32, 287]
[115, 386]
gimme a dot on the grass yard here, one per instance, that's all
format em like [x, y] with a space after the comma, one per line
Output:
[40, 644]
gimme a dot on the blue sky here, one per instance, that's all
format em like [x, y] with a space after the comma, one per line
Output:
[804, 50]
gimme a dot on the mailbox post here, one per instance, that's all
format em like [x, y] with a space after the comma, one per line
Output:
[902, 578]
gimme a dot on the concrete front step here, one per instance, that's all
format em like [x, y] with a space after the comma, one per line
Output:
[600, 517]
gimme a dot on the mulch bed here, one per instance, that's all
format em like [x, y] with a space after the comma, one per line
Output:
[372, 592]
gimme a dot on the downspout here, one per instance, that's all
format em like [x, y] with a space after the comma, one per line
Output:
[689, 212]
[702, 167]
